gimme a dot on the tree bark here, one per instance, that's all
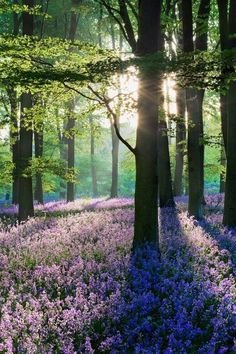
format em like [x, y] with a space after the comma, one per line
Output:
[223, 164]
[14, 138]
[92, 156]
[180, 141]
[223, 24]
[146, 187]
[201, 45]
[194, 102]
[230, 187]
[166, 198]
[63, 157]
[71, 154]
[26, 207]
[194, 125]
[74, 19]
[38, 143]
[115, 159]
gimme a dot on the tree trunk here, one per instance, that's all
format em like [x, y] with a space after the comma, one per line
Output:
[74, 19]
[63, 157]
[194, 104]
[195, 168]
[194, 125]
[115, 158]
[14, 131]
[14, 137]
[223, 27]
[26, 207]
[92, 155]
[71, 155]
[38, 142]
[166, 198]
[223, 24]
[223, 164]
[180, 141]
[230, 186]
[146, 187]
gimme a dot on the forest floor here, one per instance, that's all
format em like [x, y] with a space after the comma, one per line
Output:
[69, 283]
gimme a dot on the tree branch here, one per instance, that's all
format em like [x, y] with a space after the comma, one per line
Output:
[105, 101]
[102, 100]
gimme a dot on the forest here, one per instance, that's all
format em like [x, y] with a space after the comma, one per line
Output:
[118, 176]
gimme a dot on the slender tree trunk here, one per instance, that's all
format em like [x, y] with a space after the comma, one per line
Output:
[74, 19]
[223, 24]
[92, 155]
[194, 125]
[14, 130]
[38, 142]
[26, 207]
[63, 157]
[201, 44]
[63, 154]
[224, 34]
[146, 187]
[14, 137]
[223, 164]
[115, 159]
[180, 141]
[71, 154]
[194, 108]
[166, 197]
[70, 129]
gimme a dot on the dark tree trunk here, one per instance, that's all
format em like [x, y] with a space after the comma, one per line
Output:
[127, 24]
[223, 22]
[166, 198]
[194, 103]
[146, 188]
[115, 159]
[230, 187]
[38, 143]
[194, 125]
[201, 45]
[26, 207]
[92, 155]
[180, 141]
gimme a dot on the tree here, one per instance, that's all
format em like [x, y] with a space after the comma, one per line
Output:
[74, 19]
[38, 141]
[194, 108]
[26, 207]
[230, 187]
[92, 156]
[223, 25]
[146, 187]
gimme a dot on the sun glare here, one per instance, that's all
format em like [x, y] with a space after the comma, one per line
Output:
[125, 89]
